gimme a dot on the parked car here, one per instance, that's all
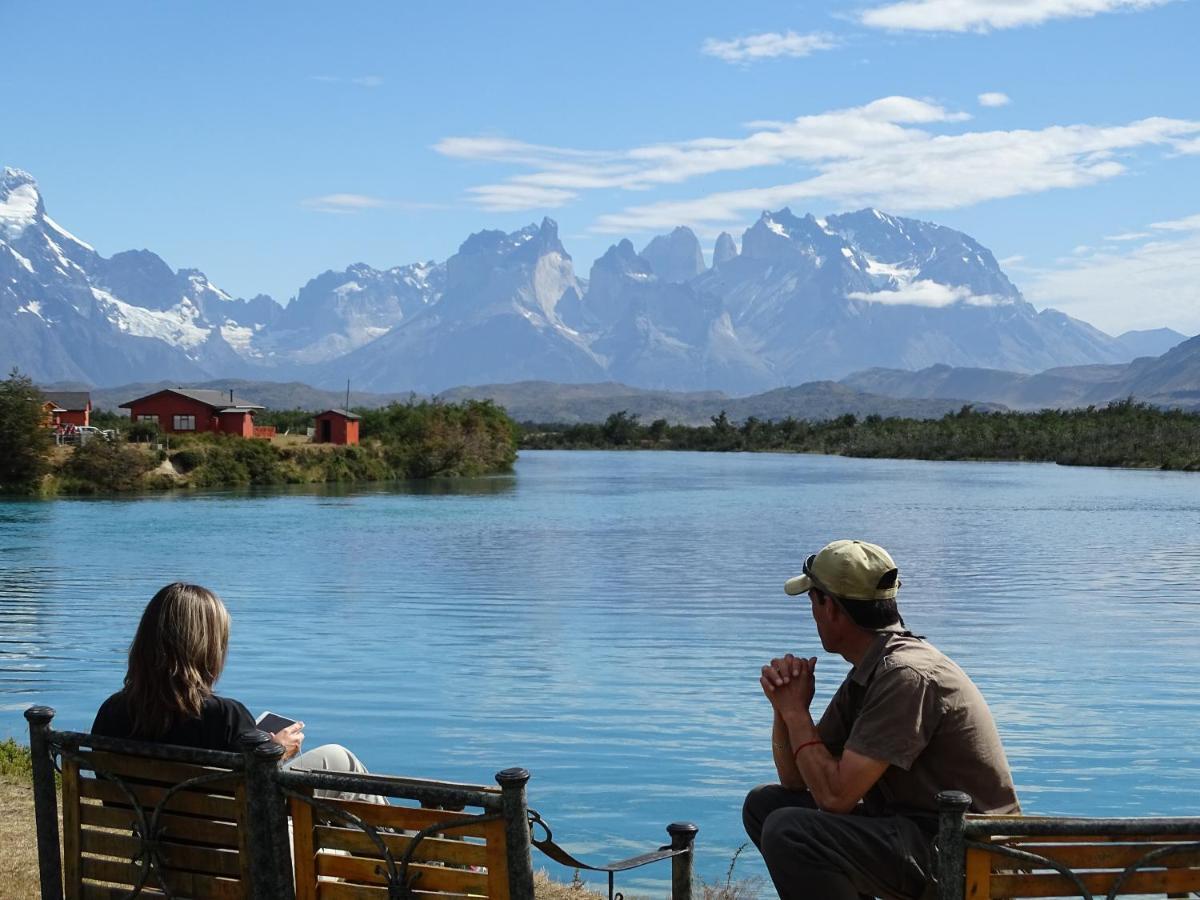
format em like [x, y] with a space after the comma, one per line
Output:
[92, 431]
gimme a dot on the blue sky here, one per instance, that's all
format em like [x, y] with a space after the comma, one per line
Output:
[264, 143]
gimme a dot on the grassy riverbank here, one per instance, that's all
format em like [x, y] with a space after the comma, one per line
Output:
[402, 441]
[18, 861]
[1124, 434]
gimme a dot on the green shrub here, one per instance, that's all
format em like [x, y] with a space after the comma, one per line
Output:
[106, 466]
[15, 761]
[186, 460]
[25, 440]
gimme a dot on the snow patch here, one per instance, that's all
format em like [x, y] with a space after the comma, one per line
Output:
[70, 237]
[890, 270]
[776, 227]
[25, 264]
[18, 211]
[34, 307]
[238, 337]
[175, 326]
[350, 287]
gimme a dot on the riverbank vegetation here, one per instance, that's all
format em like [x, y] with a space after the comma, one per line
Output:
[403, 441]
[1125, 434]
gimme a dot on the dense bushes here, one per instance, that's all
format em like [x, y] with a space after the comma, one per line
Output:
[101, 466]
[24, 438]
[425, 439]
[1121, 434]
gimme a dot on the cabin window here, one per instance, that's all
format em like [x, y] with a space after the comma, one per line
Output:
[185, 423]
[152, 419]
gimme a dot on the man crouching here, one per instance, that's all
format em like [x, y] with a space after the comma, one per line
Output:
[855, 813]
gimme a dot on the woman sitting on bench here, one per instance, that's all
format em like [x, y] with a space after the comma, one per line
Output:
[175, 658]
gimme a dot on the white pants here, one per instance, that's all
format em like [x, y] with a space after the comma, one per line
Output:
[334, 758]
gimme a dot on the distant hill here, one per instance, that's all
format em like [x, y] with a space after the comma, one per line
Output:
[1172, 380]
[543, 401]
[540, 401]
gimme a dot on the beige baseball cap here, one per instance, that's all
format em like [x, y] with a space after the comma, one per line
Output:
[849, 570]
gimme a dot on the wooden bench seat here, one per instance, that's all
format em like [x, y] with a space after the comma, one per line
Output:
[993, 857]
[153, 820]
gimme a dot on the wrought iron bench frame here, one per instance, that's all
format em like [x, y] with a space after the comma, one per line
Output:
[266, 792]
[966, 845]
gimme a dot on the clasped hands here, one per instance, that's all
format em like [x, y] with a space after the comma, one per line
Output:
[789, 682]
[290, 739]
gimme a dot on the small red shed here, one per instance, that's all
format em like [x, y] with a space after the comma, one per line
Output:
[73, 407]
[336, 426]
[176, 410]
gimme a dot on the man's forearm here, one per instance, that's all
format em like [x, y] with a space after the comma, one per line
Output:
[781, 750]
[816, 767]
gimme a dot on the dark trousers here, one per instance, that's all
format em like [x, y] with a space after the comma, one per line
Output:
[815, 855]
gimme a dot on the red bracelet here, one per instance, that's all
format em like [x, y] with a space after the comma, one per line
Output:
[796, 752]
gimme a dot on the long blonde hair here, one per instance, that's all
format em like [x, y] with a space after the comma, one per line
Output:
[175, 658]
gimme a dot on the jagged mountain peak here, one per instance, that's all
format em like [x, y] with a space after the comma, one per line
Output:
[675, 257]
[724, 250]
[20, 203]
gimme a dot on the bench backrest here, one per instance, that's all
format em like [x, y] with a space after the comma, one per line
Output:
[442, 854]
[985, 857]
[110, 801]
[1097, 861]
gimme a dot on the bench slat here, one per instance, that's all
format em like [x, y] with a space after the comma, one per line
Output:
[191, 802]
[497, 860]
[334, 890]
[429, 849]
[406, 818]
[144, 768]
[188, 828]
[1171, 881]
[1107, 856]
[430, 878]
[201, 860]
[200, 887]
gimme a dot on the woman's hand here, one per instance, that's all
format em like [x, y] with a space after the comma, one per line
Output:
[290, 739]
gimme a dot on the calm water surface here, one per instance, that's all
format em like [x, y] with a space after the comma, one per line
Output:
[599, 618]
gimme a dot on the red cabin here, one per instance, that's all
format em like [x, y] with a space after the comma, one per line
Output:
[180, 411]
[70, 407]
[336, 426]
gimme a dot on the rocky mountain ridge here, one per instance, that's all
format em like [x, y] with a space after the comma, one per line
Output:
[804, 299]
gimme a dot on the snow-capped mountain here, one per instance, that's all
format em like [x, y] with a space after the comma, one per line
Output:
[803, 299]
[819, 298]
[499, 313]
[337, 312]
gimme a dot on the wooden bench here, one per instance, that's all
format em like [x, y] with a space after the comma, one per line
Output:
[983, 857]
[154, 820]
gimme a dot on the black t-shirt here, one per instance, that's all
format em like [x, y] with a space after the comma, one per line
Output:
[218, 726]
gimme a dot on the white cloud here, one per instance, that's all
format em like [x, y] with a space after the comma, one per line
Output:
[1128, 236]
[518, 197]
[1148, 286]
[889, 153]
[927, 293]
[1191, 223]
[767, 46]
[367, 81]
[985, 15]
[342, 203]
[994, 98]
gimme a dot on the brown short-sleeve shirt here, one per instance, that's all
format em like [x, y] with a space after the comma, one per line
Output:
[910, 705]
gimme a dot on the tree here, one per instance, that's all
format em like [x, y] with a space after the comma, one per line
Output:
[24, 436]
